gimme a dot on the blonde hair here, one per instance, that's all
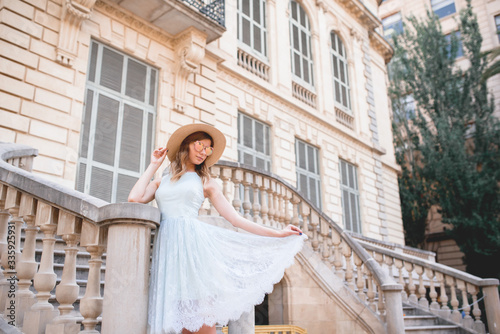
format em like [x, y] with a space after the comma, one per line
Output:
[178, 166]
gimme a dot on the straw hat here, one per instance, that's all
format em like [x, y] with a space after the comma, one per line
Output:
[175, 141]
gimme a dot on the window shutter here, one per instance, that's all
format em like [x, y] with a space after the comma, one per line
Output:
[131, 139]
[111, 70]
[105, 132]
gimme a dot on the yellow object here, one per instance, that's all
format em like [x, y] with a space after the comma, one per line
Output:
[275, 329]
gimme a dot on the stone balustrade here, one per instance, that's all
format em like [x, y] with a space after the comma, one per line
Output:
[270, 201]
[447, 292]
[37, 206]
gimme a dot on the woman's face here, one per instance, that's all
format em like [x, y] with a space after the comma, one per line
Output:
[196, 157]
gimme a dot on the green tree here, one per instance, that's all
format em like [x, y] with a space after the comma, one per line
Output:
[448, 147]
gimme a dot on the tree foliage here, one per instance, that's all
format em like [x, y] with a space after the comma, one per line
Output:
[448, 147]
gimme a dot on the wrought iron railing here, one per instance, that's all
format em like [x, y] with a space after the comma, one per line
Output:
[213, 9]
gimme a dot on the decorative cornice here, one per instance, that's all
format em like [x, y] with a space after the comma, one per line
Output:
[363, 14]
[380, 44]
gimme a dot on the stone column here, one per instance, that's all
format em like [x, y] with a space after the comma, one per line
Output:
[125, 305]
[394, 308]
[492, 305]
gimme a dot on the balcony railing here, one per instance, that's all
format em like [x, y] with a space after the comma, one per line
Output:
[213, 9]
[304, 94]
[253, 65]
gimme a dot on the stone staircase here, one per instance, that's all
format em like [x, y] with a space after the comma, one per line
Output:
[418, 321]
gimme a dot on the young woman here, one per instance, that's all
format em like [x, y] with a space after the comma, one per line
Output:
[201, 274]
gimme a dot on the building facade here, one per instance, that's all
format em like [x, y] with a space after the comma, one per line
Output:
[299, 88]
[393, 13]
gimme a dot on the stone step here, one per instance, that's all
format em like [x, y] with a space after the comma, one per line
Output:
[420, 320]
[438, 329]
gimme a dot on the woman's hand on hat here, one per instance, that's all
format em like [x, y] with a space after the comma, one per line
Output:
[291, 230]
[158, 155]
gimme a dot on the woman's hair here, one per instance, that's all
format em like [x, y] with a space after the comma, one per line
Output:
[178, 166]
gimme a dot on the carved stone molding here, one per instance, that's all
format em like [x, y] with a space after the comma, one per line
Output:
[74, 12]
[381, 46]
[190, 50]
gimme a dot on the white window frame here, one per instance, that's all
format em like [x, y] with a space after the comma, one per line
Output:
[391, 24]
[242, 149]
[497, 25]
[253, 26]
[352, 191]
[437, 5]
[339, 61]
[148, 106]
[304, 52]
[314, 175]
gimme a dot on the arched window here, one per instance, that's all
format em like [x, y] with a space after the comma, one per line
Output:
[341, 88]
[252, 25]
[300, 43]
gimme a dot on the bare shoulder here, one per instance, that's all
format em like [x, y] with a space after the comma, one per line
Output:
[210, 188]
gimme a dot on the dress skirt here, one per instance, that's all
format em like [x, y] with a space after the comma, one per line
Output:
[203, 274]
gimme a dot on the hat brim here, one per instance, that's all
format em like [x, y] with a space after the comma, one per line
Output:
[176, 139]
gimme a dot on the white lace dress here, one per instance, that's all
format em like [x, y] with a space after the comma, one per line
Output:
[202, 274]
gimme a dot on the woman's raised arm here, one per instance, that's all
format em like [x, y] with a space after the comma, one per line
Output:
[213, 192]
[144, 190]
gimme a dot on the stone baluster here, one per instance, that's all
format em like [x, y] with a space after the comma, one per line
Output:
[277, 209]
[91, 304]
[455, 315]
[399, 266]
[371, 292]
[381, 303]
[476, 311]
[287, 198]
[27, 266]
[42, 312]
[225, 176]
[247, 205]
[237, 179]
[422, 301]
[314, 228]
[295, 200]
[388, 260]
[282, 205]
[337, 254]
[305, 212]
[4, 223]
[445, 310]
[347, 252]
[264, 208]
[257, 184]
[270, 201]
[379, 257]
[324, 229]
[467, 320]
[69, 227]
[434, 306]
[12, 256]
[411, 285]
[360, 280]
